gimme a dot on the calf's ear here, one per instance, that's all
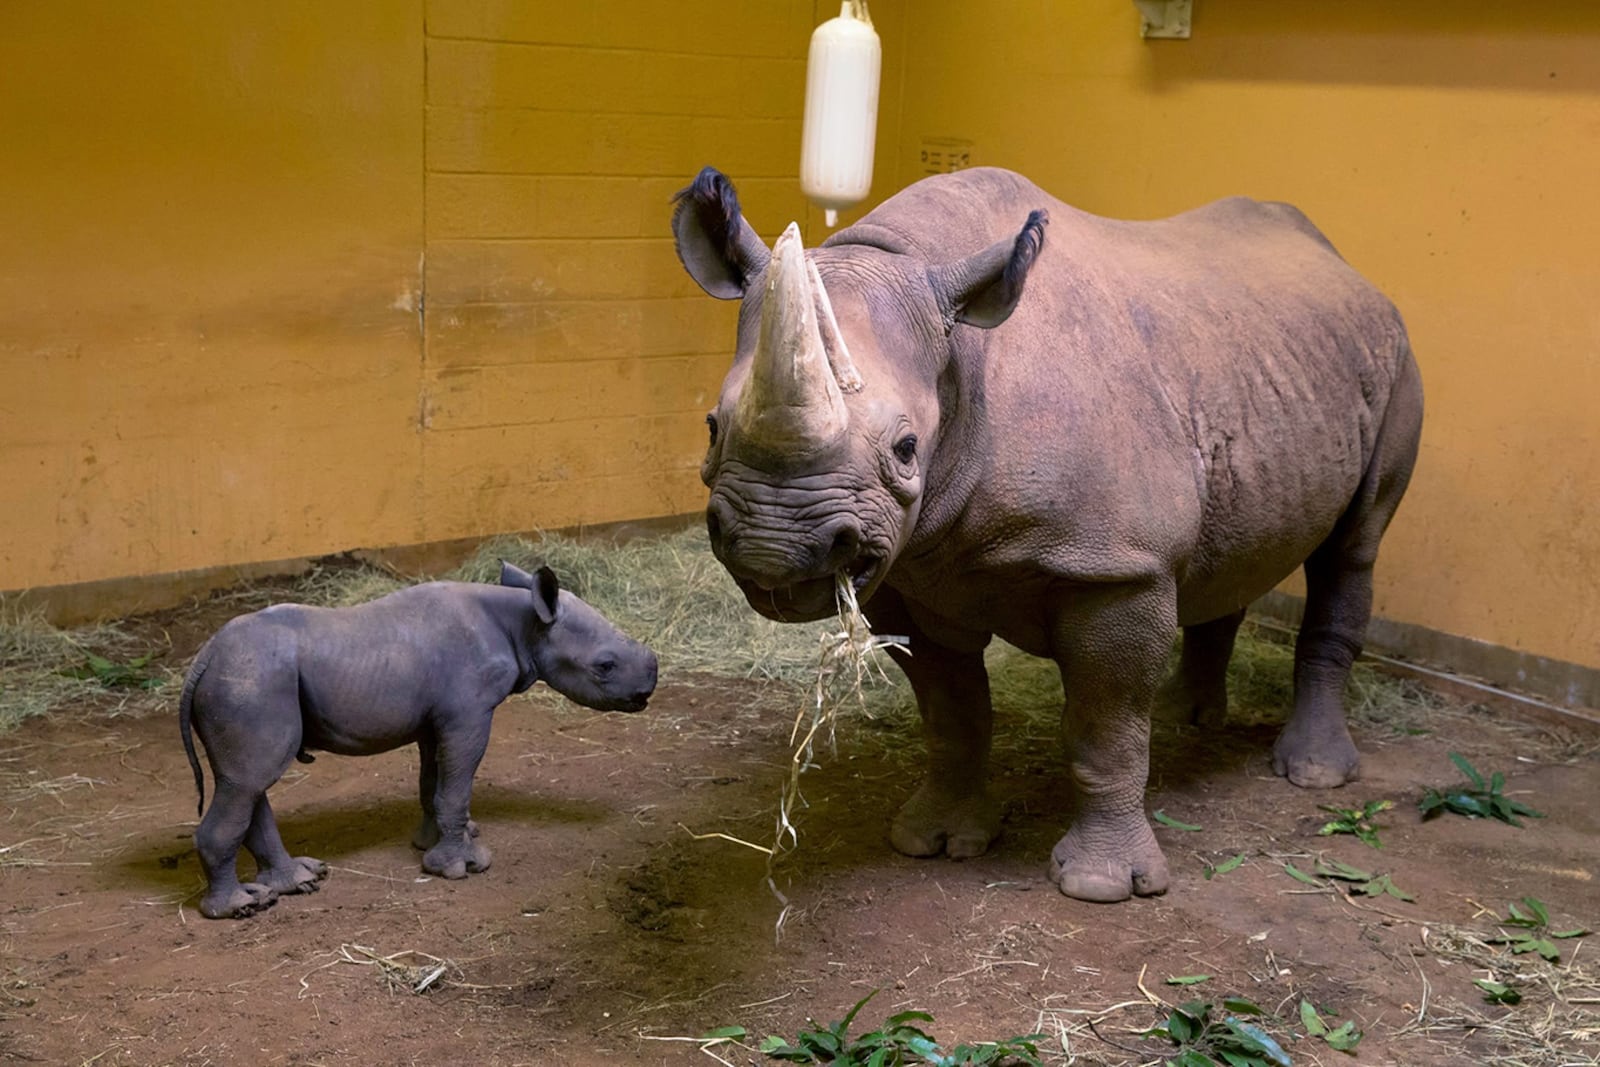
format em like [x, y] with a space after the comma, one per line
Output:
[514, 576]
[983, 289]
[545, 593]
[715, 244]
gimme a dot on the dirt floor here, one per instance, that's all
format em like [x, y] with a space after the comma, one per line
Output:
[605, 933]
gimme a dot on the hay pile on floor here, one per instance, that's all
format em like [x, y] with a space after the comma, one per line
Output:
[43, 667]
[671, 593]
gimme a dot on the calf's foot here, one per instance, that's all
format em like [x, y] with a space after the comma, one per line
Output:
[426, 834]
[934, 821]
[456, 857]
[239, 901]
[302, 874]
[1108, 860]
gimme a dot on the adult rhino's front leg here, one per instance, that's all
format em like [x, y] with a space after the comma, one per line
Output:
[1112, 643]
[951, 810]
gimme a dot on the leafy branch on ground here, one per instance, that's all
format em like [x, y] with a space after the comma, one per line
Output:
[1477, 799]
[1206, 1041]
[1357, 821]
[900, 1041]
[114, 675]
[1343, 1037]
[1358, 881]
[1532, 931]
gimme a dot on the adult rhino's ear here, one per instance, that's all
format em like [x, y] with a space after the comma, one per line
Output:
[983, 289]
[715, 244]
[546, 590]
[514, 576]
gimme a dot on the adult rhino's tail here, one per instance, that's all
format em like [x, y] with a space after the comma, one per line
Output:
[185, 717]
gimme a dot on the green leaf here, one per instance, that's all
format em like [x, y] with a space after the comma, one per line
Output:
[1192, 1058]
[1189, 979]
[1540, 912]
[1344, 1038]
[1181, 1028]
[725, 1033]
[1240, 1059]
[1467, 769]
[1497, 993]
[844, 1024]
[1166, 820]
[1579, 932]
[1300, 876]
[1342, 871]
[779, 1049]
[1545, 948]
[1311, 1020]
[908, 1016]
[1241, 1006]
[1255, 1039]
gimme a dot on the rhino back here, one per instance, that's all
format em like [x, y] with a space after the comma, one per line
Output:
[1196, 395]
[368, 675]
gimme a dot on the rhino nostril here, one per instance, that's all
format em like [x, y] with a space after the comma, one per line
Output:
[845, 542]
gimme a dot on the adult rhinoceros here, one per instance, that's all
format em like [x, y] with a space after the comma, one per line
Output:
[1172, 417]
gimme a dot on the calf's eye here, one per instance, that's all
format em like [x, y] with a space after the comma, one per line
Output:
[905, 449]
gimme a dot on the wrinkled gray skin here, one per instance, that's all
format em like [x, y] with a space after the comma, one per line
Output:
[428, 664]
[1171, 418]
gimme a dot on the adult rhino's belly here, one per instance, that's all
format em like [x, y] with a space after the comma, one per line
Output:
[1265, 513]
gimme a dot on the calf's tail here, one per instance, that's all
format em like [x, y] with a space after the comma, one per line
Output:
[185, 716]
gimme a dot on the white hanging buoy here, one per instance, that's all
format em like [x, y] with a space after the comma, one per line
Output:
[841, 117]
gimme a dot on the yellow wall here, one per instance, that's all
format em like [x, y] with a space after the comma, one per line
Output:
[569, 360]
[211, 219]
[289, 279]
[1451, 152]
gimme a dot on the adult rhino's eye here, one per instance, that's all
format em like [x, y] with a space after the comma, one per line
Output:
[604, 667]
[905, 449]
[711, 424]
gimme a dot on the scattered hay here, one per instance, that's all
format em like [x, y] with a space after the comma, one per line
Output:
[406, 971]
[1557, 1023]
[672, 594]
[38, 662]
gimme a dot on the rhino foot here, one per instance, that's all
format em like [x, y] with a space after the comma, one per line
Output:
[240, 902]
[1316, 753]
[1178, 701]
[457, 859]
[302, 875]
[1109, 865]
[426, 834]
[932, 822]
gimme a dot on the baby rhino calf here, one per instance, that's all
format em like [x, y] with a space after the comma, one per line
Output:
[427, 664]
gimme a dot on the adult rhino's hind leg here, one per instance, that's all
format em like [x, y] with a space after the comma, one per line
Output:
[1315, 749]
[1112, 645]
[1197, 692]
[951, 810]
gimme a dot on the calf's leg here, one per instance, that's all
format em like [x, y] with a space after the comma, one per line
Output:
[461, 740]
[279, 871]
[217, 841]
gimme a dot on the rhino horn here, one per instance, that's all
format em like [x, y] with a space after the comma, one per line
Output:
[791, 402]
